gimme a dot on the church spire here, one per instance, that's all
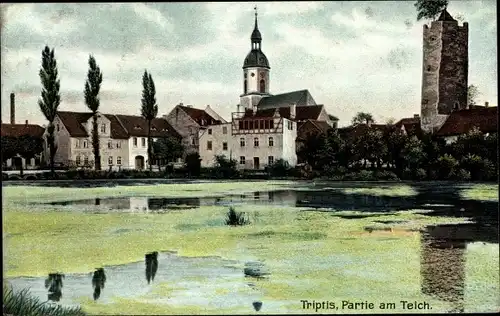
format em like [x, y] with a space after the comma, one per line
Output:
[256, 38]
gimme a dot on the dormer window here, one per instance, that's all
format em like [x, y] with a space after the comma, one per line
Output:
[58, 127]
[153, 128]
[103, 128]
[137, 127]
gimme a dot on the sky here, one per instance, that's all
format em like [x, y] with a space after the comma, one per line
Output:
[352, 56]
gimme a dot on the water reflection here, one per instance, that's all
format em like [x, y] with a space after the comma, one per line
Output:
[443, 259]
[98, 281]
[54, 284]
[257, 306]
[151, 266]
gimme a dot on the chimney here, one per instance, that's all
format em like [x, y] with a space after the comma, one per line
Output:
[237, 108]
[293, 111]
[486, 104]
[189, 106]
[26, 122]
[416, 115]
[12, 108]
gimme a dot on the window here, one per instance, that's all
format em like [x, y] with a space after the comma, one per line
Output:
[270, 160]
[193, 141]
[224, 130]
[245, 86]
[103, 128]
[209, 131]
[135, 141]
[262, 86]
[242, 142]
[85, 160]
[78, 160]
[271, 124]
[118, 160]
[143, 142]
[224, 146]
[271, 142]
[455, 106]
[428, 67]
[77, 143]
[110, 144]
[58, 127]
[256, 142]
[242, 160]
[110, 160]
[118, 144]
[240, 124]
[209, 145]
[85, 144]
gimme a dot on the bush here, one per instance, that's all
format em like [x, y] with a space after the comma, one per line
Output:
[280, 168]
[22, 303]
[234, 218]
[386, 175]
[462, 175]
[446, 165]
[193, 164]
[224, 168]
[420, 174]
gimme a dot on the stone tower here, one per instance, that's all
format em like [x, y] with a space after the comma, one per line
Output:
[255, 72]
[444, 70]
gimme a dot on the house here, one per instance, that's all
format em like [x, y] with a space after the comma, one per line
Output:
[254, 140]
[123, 139]
[188, 122]
[462, 121]
[16, 131]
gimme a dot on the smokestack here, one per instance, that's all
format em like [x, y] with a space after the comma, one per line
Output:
[486, 104]
[12, 108]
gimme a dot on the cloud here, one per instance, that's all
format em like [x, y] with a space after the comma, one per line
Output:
[152, 15]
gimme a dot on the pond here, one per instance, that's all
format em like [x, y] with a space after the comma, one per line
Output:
[165, 248]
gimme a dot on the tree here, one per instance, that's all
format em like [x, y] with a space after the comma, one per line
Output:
[167, 149]
[29, 147]
[149, 109]
[429, 9]
[92, 87]
[193, 164]
[413, 153]
[395, 140]
[9, 148]
[50, 100]
[472, 94]
[362, 118]
[224, 167]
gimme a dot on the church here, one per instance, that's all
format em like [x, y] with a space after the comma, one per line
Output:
[265, 127]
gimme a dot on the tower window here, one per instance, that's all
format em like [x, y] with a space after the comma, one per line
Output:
[245, 86]
[245, 76]
[428, 67]
[252, 74]
[433, 38]
[262, 86]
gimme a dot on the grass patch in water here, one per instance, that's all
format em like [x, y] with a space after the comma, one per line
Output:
[400, 190]
[481, 192]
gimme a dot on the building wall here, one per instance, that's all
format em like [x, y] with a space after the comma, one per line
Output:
[289, 145]
[323, 116]
[444, 72]
[217, 138]
[62, 140]
[186, 127]
[135, 151]
[115, 151]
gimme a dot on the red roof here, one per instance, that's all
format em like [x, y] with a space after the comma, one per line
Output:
[411, 125]
[17, 130]
[302, 113]
[200, 116]
[321, 126]
[460, 122]
[122, 126]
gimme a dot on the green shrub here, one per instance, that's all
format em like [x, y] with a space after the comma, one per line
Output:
[224, 168]
[462, 175]
[21, 303]
[280, 168]
[234, 218]
[386, 175]
[446, 165]
[365, 175]
[420, 174]
[193, 164]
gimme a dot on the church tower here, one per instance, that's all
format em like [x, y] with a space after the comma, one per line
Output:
[255, 72]
[444, 70]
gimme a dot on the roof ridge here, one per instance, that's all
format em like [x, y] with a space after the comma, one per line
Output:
[121, 124]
